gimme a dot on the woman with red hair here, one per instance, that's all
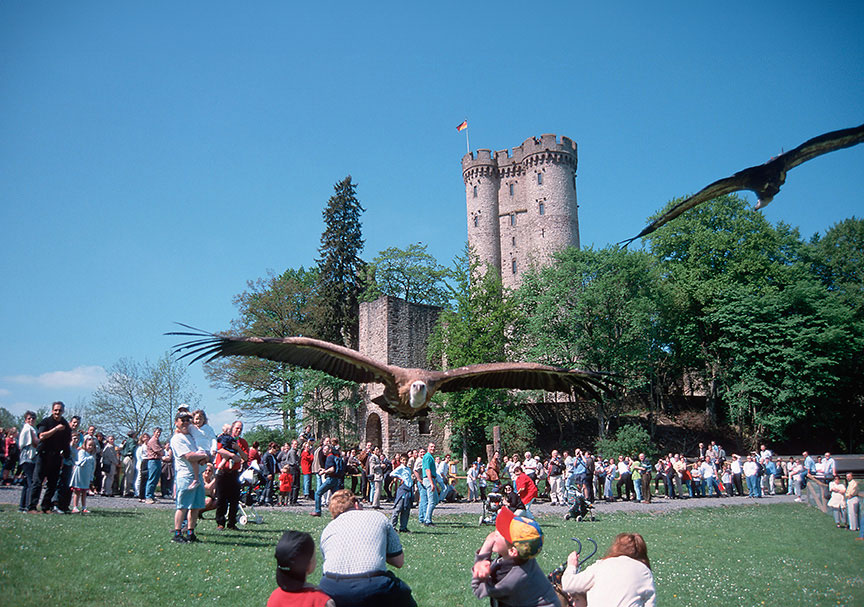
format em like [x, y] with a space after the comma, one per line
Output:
[621, 578]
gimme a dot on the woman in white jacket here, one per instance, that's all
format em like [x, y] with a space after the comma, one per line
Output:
[622, 578]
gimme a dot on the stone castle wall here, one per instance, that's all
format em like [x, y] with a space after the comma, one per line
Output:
[522, 204]
[397, 332]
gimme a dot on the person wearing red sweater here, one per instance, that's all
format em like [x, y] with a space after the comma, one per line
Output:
[526, 489]
[306, 459]
[285, 482]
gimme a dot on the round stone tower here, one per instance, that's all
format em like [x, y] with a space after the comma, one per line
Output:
[533, 204]
[481, 193]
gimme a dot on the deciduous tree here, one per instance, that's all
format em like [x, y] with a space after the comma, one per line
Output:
[412, 274]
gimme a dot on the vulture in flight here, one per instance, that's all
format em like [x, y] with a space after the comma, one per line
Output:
[407, 392]
[765, 179]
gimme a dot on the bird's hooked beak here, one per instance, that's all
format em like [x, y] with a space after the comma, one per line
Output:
[763, 202]
[417, 395]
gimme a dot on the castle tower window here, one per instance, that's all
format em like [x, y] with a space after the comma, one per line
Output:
[539, 178]
[475, 191]
[542, 208]
[514, 266]
[514, 241]
[511, 189]
[476, 221]
[542, 232]
[512, 219]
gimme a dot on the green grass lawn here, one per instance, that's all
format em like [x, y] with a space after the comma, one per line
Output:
[781, 554]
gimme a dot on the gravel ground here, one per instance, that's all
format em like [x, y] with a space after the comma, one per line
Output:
[11, 495]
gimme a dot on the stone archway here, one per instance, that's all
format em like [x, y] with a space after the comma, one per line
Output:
[373, 430]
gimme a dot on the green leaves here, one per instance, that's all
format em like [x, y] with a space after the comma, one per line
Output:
[411, 274]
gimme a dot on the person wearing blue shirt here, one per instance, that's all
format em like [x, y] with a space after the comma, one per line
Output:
[404, 495]
[428, 489]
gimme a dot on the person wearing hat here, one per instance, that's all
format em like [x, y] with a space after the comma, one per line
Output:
[189, 498]
[295, 559]
[514, 578]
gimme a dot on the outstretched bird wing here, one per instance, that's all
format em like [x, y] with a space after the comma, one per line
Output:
[305, 352]
[524, 376]
[764, 179]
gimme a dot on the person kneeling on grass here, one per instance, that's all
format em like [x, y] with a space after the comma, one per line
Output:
[190, 500]
[514, 578]
[295, 559]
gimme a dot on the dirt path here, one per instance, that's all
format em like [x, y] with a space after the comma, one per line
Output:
[11, 496]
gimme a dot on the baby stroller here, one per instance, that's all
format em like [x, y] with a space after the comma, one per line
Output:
[557, 574]
[580, 509]
[248, 496]
[491, 506]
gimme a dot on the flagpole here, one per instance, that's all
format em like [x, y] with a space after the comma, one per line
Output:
[467, 144]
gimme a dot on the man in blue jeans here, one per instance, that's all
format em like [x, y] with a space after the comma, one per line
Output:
[329, 482]
[428, 489]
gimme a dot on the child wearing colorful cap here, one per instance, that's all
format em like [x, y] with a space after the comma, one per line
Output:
[514, 578]
[295, 559]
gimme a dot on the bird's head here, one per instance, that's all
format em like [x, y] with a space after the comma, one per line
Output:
[417, 394]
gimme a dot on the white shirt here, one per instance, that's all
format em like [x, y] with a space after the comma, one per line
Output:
[181, 444]
[27, 444]
[614, 582]
[707, 470]
[750, 468]
[736, 466]
[205, 438]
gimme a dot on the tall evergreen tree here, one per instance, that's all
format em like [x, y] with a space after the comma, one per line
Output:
[340, 266]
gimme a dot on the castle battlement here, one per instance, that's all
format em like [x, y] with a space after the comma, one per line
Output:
[534, 150]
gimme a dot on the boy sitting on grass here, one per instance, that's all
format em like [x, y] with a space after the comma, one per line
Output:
[514, 578]
[295, 559]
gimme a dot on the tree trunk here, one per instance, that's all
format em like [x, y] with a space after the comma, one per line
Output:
[601, 420]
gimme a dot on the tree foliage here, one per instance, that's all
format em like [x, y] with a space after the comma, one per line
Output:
[281, 306]
[473, 330]
[340, 267]
[595, 310]
[411, 274]
[629, 440]
[137, 396]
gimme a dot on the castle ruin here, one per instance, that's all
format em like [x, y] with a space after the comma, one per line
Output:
[522, 204]
[396, 332]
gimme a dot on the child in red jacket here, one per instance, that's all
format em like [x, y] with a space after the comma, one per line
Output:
[285, 481]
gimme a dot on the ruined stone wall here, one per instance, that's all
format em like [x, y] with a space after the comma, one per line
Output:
[397, 332]
[535, 202]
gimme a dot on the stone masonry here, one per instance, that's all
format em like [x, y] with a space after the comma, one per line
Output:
[522, 204]
[396, 332]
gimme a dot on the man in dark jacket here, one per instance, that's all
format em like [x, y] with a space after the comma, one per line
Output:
[269, 472]
[54, 438]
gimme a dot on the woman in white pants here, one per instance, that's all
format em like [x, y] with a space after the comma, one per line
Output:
[852, 502]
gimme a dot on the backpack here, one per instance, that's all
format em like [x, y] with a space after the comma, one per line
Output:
[339, 467]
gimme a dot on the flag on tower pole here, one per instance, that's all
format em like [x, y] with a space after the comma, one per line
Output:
[464, 127]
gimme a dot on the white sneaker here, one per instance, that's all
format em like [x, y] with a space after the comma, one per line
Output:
[798, 499]
[75, 510]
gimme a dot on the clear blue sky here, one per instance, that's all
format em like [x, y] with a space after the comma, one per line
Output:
[154, 156]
